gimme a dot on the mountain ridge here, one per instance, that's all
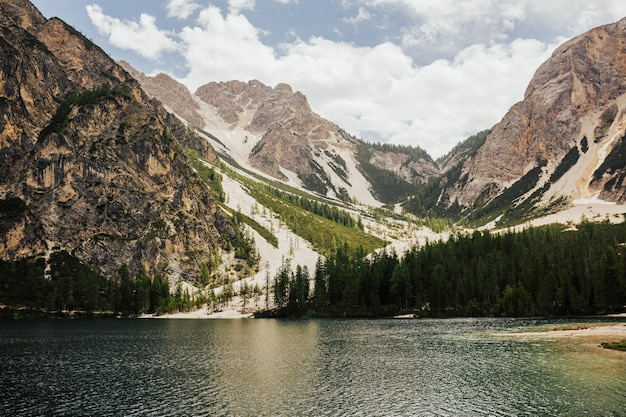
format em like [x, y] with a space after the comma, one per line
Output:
[275, 131]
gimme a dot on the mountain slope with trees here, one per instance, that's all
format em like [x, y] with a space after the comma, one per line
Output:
[543, 271]
[107, 199]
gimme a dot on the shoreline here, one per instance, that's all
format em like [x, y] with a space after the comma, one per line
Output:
[585, 335]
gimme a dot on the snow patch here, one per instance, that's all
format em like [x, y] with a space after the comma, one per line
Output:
[593, 200]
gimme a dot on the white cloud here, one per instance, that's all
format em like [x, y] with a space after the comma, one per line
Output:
[446, 26]
[224, 48]
[379, 90]
[384, 91]
[181, 9]
[371, 90]
[362, 16]
[143, 37]
[236, 6]
[449, 100]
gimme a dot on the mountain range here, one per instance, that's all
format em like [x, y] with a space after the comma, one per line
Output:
[560, 145]
[274, 131]
[103, 161]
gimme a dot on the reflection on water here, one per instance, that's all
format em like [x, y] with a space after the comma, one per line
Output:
[292, 367]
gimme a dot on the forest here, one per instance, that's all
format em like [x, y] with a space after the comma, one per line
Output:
[546, 271]
[552, 270]
[70, 288]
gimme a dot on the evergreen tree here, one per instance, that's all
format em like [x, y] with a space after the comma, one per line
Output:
[281, 286]
[401, 287]
[320, 289]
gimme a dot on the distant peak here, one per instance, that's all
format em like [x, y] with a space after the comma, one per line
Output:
[282, 87]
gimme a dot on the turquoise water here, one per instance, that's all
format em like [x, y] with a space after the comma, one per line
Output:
[300, 368]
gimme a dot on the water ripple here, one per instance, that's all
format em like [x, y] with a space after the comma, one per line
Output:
[293, 368]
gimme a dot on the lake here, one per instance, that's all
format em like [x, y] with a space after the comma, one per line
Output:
[424, 367]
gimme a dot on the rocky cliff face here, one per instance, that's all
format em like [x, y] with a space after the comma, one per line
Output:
[288, 130]
[170, 92]
[89, 163]
[550, 144]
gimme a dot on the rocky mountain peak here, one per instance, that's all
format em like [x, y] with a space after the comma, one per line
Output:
[274, 130]
[233, 98]
[21, 13]
[291, 109]
[562, 108]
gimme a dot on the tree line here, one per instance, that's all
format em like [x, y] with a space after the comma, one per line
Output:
[28, 289]
[549, 270]
[316, 207]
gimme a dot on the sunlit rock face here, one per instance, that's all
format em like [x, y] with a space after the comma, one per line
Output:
[575, 99]
[89, 163]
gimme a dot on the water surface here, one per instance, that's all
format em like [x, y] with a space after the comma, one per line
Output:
[300, 368]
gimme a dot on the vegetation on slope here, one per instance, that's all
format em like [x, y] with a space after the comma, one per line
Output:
[322, 224]
[319, 223]
[60, 118]
[464, 149]
[208, 174]
[73, 288]
[242, 244]
[505, 202]
[428, 200]
[613, 163]
[568, 161]
[414, 153]
[540, 271]
[387, 186]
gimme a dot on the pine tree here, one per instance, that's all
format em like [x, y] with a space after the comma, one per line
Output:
[320, 289]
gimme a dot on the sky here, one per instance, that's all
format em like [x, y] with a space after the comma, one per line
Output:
[425, 73]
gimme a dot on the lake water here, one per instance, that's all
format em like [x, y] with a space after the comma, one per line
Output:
[300, 368]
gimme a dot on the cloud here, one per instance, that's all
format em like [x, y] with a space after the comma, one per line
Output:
[380, 92]
[449, 100]
[224, 48]
[374, 91]
[442, 28]
[181, 9]
[142, 37]
[236, 6]
[485, 53]
[361, 16]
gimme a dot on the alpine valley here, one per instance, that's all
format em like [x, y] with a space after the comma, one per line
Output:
[122, 193]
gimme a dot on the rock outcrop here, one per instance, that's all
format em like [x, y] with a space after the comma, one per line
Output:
[88, 163]
[174, 95]
[574, 105]
[289, 131]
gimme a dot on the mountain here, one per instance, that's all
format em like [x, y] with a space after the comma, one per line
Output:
[274, 131]
[90, 164]
[564, 142]
[171, 93]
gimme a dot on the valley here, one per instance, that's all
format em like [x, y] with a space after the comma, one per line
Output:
[246, 201]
